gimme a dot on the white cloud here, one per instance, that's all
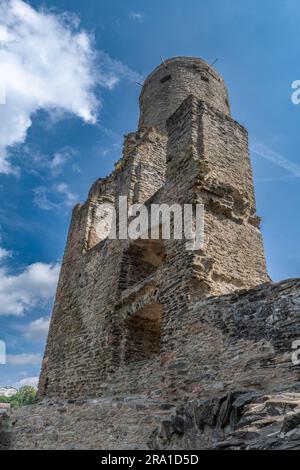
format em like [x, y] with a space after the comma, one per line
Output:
[31, 381]
[47, 62]
[3, 253]
[37, 329]
[268, 154]
[18, 293]
[59, 196]
[63, 188]
[114, 70]
[60, 159]
[136, 16]
[47, 166]
[23, 359]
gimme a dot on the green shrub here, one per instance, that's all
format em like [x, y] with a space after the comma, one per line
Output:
[25, 396]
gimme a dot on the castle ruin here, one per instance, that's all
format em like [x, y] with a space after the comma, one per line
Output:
[148, 339]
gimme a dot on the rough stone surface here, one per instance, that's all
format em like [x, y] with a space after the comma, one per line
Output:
[244, 420]
[170, 83]
[5, 430]
[205, 160]
[88, 424]
[153, 345]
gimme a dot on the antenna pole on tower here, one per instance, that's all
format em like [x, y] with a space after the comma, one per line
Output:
[213, 63]
[163, 61]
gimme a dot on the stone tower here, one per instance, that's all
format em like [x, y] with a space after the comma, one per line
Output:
[121, 304]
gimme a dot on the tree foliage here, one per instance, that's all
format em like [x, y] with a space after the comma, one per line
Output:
[25, 396]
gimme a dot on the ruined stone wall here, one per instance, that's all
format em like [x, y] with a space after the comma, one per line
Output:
[78, 352]
[87, 424]
[235, 341]
[107, 286]
[141, 171]
[226, 380]
[5, 430]
[144, 329]
[219, 344]
[82, 345]
[211, 150]
[242, 420]
[245, 419]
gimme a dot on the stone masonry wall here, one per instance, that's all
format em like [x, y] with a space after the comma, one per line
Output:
[80, 348]
[245, 419]
[211, 150]
[86, 424]
[141, 328]
[229, 372]
[172, 82]
[235, 341]
[240, 340]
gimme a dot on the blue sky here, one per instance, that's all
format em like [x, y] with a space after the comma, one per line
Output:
[78, 121]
